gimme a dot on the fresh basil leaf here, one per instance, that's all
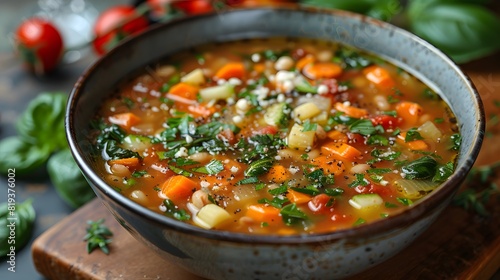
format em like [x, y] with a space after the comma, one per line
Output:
[456, 141]
[464, 31]
[422, 168]
[443, 172]
[334, 191]
[173, 211]
[23, 156]
[363, 127]
[377, 140]
[22, 215]
[291, 214]
[412, 135]
[212, 168]
[68, 181]
[259, 167]
[310, 190]
[381, 9]
[42, 123]
[279, 190]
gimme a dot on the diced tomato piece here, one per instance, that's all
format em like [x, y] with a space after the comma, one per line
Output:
[373, 188]
[355, 138]
[270, 129]
[386, 121]
[321, 203]
[227, 135]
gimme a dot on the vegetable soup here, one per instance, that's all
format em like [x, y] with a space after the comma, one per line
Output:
[276, 136]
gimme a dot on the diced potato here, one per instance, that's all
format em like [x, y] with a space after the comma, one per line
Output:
[211, 216]
[217, 92]
[299, 139]
[429, 131]
[194, 77]
[306, 111]
[321, 119]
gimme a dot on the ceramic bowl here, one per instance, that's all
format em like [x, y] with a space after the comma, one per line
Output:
[226, 255]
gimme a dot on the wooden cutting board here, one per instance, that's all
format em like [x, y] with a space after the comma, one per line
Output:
[459, 245]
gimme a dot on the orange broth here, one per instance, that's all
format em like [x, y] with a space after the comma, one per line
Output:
[276, 136]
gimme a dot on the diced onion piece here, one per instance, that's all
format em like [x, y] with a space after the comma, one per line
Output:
[299, 139]
[194, 77]
[217, 92]
[363, 201]
[211, 216]
[306, 111]
[243, 193]
[414, 189]
[429, 131]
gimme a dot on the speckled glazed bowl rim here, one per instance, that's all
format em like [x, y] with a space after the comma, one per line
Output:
[401, 220]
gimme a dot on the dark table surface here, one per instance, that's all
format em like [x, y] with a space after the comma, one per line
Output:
[18, 87]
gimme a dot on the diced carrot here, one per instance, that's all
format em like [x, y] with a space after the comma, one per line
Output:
[351, 111]
[329, 165]
[297, 197]
[379, 76]
[277, 174]
[322, 70]
[303, 62]
[416, 145]
[184, 90]
[179, 187]
[125, 120]
[199, 110]
[343, 150]
[410, 112]
[337, 136]
[129, 162]
[263, 213]
[231, 70]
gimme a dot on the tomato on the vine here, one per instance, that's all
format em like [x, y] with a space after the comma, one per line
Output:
[116, 23]
[39, 44]
[194, 7]
[161, 8]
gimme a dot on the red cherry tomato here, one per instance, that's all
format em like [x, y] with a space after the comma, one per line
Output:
[386, 121]
[321, 203]
[194, 7]
[116, 23]
[39, 44]
[255, 3]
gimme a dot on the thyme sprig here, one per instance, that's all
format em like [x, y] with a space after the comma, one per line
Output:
[480, 189]
[98, 236]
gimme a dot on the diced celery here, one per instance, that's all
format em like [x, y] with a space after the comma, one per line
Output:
[136, 143]
[299, 139]
[217, 92]
[363, 201]
[194, 77]
[278, 114]
[429, 131]
[211, 216]
[306, 111]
